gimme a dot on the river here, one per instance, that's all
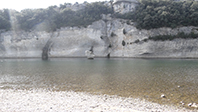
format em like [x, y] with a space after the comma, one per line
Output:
[147, 79]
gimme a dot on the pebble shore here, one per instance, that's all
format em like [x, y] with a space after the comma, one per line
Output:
[69, 101]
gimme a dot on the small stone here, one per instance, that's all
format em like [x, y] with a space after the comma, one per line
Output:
[190, 104]
[194, 105]
[163, 96]
[182, 102]
[178, 86]
[50, 107]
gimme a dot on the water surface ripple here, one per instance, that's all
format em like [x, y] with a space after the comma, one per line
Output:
[143, 78]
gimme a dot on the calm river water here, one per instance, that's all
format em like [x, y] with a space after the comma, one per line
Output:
[143, 78]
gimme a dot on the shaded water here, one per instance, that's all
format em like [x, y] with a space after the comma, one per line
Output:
[147, 79]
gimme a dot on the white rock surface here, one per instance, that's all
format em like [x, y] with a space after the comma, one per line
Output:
[70, 42]
[124, 6]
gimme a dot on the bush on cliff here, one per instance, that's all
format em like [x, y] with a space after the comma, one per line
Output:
[180, 35]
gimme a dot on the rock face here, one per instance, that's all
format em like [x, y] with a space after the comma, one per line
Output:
[22, 44]
[124, 6]
[106, 36]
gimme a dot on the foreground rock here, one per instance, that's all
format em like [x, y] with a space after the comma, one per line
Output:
[43, 100]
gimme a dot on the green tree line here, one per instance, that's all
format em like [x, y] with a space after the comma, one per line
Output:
[151, 14]
[54, 17]
[5, 19]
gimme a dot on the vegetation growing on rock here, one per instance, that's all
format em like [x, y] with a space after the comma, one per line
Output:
[53, 17]
[180, 35]
[151, 14]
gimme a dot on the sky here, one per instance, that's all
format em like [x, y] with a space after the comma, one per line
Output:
[34, 4]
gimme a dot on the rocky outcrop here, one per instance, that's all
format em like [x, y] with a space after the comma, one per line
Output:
[124, 6]
[106, 36]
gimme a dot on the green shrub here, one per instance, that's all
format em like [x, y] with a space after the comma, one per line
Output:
[181, 35]
[137, 41]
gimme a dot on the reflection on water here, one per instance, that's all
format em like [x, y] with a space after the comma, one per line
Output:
[148, 79]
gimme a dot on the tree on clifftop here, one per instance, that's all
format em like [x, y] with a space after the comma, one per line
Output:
[5, 19]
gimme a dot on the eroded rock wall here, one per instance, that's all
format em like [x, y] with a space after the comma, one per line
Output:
[106, 36]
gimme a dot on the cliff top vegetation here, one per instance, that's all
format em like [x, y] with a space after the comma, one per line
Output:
[149, 14]
[53, 17]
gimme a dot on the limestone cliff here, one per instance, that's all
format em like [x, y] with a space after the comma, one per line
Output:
[106, 37]
[124, 6]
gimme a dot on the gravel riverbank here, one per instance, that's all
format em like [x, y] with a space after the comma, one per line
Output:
[48, 101]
